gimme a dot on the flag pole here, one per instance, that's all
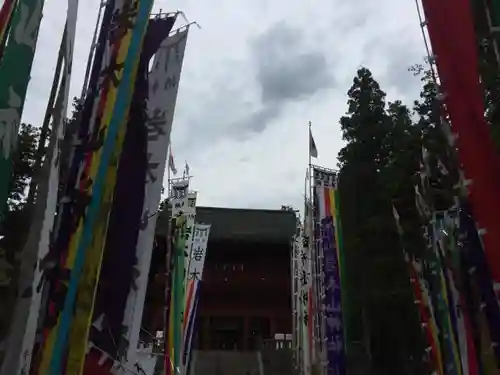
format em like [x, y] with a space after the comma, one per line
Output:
[310, 160]
[310, 223]
[309, 139]
[306, 180]
[310, 163]
[310, 167]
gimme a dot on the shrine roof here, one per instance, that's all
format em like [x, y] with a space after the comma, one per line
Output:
[241, 224]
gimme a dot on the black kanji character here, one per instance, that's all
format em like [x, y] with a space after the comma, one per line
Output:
[303, 278]
[198, 254]
[194, 275]
[151, 168]
[155, 124]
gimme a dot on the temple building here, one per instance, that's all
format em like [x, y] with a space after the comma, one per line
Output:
[246, 291]
[245, 296]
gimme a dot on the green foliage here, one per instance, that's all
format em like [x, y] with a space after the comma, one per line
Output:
[17, 219]
[13, 227]
[489, 69]
[23, 161]
[378, 170]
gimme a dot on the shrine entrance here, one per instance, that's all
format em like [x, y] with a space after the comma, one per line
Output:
[227, 333]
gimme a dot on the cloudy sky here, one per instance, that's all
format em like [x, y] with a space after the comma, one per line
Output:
[253, 77]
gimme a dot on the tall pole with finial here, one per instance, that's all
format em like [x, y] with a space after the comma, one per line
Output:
[310, 154]
[314, 339]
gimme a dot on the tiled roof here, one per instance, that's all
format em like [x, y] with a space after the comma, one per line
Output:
[243, 224]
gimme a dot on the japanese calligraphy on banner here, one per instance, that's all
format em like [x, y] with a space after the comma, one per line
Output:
[160, 109]
[296, 316]
[178, 196]
[333, 330]
[194, 272]
[184, 204]
[190, 213]
[175, 279]
[301, 291]
[324, 177]
[164, 84]
[306, 291]
[198, 251]
[194, 276]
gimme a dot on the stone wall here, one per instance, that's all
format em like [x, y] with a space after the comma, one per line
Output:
[214, 362]
[268, 361]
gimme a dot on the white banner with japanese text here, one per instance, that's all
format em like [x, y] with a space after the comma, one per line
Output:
[197, 258]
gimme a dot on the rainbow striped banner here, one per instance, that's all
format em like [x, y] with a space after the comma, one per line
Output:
[435, 276]
[427, 314]
[113, 122]
[327, 248]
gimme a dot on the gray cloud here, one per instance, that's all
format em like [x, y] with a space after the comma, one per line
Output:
[246, 70]
[287, 70]
[258, 120]
[390, 55]
[295, 78]
[398, 75]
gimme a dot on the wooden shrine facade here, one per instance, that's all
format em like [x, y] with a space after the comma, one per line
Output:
[246, 290]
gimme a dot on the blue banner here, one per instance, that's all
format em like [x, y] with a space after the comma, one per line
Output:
[334, 332]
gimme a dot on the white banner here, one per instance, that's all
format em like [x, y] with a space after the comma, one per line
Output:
[198, 251]
[190, 213]
[178, 191]
[296, 304]
[197, 258]
[163, 86]
[305, 291]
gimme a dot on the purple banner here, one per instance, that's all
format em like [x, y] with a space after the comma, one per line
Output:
[334, 332]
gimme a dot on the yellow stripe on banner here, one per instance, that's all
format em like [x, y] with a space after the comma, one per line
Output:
[333, 212]
[79, 332]
[331, 199]
[434, 330]
[189, 298]
[82, 321]
[48, 347]
[454, 347]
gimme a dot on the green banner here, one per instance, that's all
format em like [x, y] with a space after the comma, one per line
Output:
[15, 72]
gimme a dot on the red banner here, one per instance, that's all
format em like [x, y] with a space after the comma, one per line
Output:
[451, 30]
